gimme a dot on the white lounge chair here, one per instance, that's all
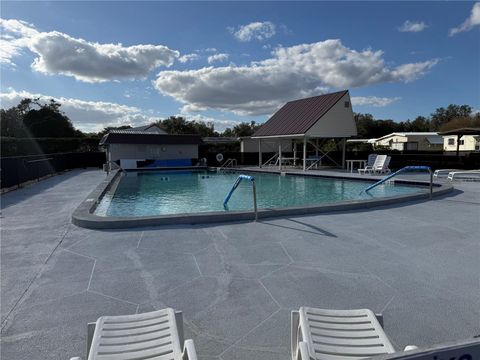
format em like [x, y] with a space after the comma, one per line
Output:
[384, 169]
[152, 335]
[445, 172]
[320, 334]
[472, 175]
[377, 163]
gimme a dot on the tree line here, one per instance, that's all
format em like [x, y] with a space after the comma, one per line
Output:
[32, 119]
[442, 119]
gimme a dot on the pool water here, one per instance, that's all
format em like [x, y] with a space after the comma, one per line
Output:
[163, 193]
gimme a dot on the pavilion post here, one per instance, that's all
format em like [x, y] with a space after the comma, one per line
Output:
[260, 153]
[458, 145]
[344, 151]
[304, 153]
[279, 154]
[294, 152]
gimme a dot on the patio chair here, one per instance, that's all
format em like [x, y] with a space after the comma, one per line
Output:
[445, 172]
[319, 334]
[377, 164]
[384, 168]
[152, 335]
[464, 175]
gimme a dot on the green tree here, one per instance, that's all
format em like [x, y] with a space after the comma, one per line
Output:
[177, 125]
[420, 124]
[242, 129]
[48, 122]
[11, 123]
[442, 115]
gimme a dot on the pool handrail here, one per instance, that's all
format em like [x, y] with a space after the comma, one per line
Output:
[404, 169]
[235, 185]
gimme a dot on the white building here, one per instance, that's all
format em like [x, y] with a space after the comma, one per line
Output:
[150, 147]
[411, 141]
[464, 139]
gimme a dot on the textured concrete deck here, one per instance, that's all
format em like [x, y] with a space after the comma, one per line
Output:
[236, 283]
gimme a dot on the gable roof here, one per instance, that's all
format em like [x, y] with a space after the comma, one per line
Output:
[148, 128]
[407, 134]
[298, 116]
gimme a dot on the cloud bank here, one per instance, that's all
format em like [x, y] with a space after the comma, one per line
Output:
[87, 116]
[59, 53]
[292, 73]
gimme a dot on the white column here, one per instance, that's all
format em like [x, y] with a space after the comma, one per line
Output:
[304, 153]
[344, 151]
[279, 154]
[260, 153]
[294, 152]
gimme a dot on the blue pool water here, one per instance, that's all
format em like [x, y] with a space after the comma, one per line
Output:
[163, 193]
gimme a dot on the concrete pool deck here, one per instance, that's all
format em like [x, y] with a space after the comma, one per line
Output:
[236, 283]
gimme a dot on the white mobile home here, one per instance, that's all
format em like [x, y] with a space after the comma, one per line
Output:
[411, 141]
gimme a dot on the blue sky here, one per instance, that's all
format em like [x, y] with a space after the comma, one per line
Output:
[115, 63]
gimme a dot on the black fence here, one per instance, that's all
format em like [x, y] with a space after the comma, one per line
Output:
[439, 160]
[16, 170]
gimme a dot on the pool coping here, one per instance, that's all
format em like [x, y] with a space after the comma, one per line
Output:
[83, 215]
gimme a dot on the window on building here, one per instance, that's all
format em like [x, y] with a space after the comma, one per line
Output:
[411, 145]
[347, 104]
[461, 142]
[451, 141]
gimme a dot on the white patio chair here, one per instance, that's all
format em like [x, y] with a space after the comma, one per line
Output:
[152, 335]
[384, 168]
[445, 172]
[319, 334]
[378, 163]
[472, 175]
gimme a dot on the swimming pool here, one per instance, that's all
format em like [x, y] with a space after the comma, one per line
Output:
[140, 194]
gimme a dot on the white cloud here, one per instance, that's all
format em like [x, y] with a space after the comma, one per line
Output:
[292, 73]
[59, 53]
[217, 57]
[254, 31]
[374, 101]
[412, 26]
[85, 115]
[188, 57]
[472, 21]
[13, 34]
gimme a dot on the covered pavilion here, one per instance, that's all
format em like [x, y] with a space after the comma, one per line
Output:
[307, 121]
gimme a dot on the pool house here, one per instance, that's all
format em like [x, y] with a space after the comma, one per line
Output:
[310, 121]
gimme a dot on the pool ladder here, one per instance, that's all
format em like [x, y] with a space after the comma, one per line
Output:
[235, 185]
[404, 169]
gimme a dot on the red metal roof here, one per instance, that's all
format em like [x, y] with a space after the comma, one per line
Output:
[298, 116]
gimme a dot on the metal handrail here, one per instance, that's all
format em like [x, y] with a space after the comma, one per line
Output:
[404, 169]
[229, 163]
[235, 185]
[269, 160]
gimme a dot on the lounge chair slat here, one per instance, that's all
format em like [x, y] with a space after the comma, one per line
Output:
[136, 324]
[140, 331]
[111, 340]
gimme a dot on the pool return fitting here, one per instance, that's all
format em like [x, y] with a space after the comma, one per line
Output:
[404, 169]
[235, 185]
